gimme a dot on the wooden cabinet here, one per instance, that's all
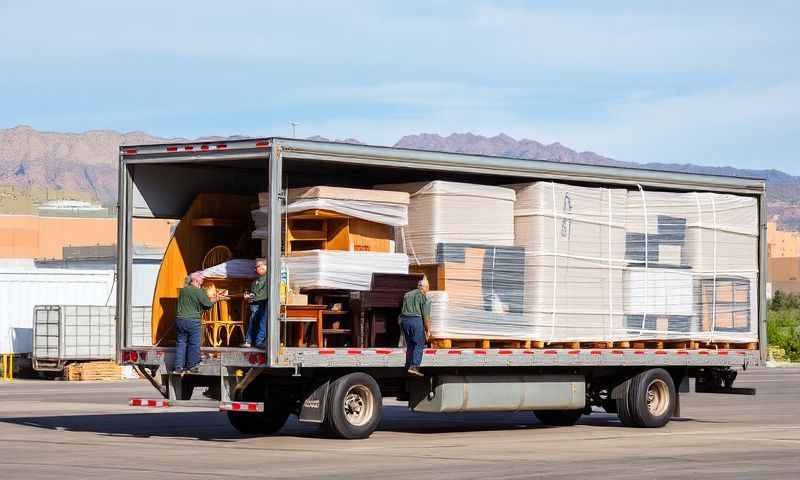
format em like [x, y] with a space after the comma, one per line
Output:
[325, 230]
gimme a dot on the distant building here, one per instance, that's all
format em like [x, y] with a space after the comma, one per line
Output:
[72, 208]
[781, 244]
[783, 250]
[38, 237]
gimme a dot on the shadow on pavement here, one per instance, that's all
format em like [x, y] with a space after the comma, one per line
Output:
[214, 426]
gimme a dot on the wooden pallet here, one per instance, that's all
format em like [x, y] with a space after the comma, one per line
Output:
[638, 344]
[93, 371]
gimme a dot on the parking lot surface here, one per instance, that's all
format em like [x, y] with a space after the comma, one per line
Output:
[52, 429]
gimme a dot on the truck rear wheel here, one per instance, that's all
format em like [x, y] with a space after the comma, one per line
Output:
[559, 418]
[353, 407]
[264, 423]
[648, 400]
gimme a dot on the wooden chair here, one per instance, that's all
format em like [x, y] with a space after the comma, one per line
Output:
[217, 255]
[217, 319]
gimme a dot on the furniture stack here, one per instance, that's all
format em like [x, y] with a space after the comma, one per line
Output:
[334, 240]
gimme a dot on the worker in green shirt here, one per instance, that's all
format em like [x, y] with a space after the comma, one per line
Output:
[258, 297]
[415, 321]
[192, 302]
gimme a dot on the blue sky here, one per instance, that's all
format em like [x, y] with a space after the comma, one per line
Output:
[713, 83]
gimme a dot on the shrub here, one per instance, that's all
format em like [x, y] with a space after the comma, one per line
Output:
[783, 331]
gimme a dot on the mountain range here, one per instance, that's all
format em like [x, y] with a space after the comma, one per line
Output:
[81, 165]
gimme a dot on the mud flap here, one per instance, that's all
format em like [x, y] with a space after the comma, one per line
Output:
[313, 408]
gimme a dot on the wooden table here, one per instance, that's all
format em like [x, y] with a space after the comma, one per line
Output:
[301, 315]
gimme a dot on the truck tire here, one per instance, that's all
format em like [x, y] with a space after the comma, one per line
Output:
[264, 423]
[559, 418]
[353, 407]
[648, 399]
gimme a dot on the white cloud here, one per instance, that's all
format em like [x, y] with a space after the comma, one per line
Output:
[637, 83]
[699, 128]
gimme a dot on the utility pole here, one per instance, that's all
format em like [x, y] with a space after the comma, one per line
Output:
[294, 128]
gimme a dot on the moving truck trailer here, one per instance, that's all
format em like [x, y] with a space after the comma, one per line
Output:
[637, 367]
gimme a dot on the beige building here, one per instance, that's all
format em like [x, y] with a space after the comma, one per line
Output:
[32, 236]
[782, 244]
[783, 250]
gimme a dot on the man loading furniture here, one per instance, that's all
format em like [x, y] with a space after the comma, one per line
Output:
[192, 302]
[415, 321]
[259, 300]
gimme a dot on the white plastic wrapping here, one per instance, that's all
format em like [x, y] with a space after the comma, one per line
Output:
[329, 269]
[598, 264]
[449, 212]
[234, 268]
[379, 206]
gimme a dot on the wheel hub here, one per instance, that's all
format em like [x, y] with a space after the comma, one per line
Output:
[358, 405]
[657, 397]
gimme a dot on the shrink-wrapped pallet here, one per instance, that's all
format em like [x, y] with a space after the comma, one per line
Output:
[659, 302]
[457, 320]
[717, 232]
[330, 269]
[449, 212]
[574, 240]
[715, 237]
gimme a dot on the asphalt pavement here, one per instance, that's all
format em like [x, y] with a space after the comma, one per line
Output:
[51, 429]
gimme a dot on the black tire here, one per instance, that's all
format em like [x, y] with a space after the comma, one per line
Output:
[647, 400]
[264, 423]
[354, 405]
[559, 418]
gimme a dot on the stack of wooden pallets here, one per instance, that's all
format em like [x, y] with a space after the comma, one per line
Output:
[103, 370]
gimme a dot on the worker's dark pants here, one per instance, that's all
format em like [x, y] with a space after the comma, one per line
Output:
[187, 348]
[257, 328]
[414, 333]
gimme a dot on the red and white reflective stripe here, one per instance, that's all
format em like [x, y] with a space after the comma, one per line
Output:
[242, 406]
[149, 403]
[503, 351]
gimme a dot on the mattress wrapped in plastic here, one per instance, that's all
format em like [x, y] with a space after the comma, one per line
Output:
[234, 268]
[331, 269]
[379, 206]
[449, 212]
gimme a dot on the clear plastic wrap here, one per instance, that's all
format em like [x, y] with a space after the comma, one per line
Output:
[384, 207]
[234, 268]
[329, 269]
[450, 212]
[594, 264]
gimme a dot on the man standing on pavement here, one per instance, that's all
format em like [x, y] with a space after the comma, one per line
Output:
[415, 321]
[258, 297]
[192, 302]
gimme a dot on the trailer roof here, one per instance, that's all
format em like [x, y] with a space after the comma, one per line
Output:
[218, 150]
